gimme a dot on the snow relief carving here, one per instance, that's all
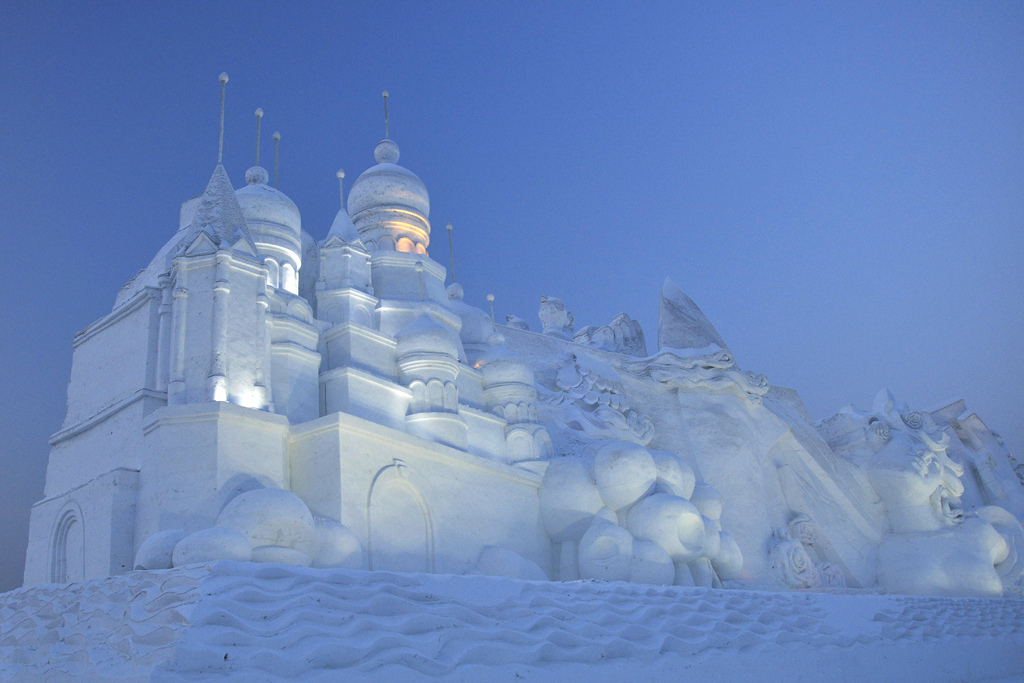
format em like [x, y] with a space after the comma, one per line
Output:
[709, 368]
[590, 398]
[791, 557]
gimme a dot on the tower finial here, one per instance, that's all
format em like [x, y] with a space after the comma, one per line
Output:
[490, 300]
[220, 145]
[277, 140]
[259, 120]
[385, 96]
[451, 254]
[341, 186]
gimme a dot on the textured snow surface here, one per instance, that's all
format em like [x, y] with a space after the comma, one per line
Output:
[271, 622]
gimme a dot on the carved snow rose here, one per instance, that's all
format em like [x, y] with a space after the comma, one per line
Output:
[791, 563]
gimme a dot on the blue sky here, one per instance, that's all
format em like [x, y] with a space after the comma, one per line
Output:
[839, 186]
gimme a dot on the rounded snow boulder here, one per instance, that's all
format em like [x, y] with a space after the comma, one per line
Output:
[271, 517]
[157, 550]
[568, 500]
[606, 552]
[337, 546]
[281, 555]
[712, 538]
[672, 522]
[624, 473]
[651, 564]
[708, 500]
[674, 475]
[728, 562]
[207, 545]
[495, 561]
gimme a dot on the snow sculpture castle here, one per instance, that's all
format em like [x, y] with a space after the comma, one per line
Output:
[259, 394]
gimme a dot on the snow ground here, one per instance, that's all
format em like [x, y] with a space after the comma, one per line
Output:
[259, 622]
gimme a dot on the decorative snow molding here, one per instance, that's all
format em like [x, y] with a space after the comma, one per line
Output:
[624, 513]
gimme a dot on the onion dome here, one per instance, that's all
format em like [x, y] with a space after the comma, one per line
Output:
[270, 214]
[426, 352]
[501, 366]
[424, 335]
[389, 205]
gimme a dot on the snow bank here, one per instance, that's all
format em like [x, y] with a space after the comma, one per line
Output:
[271, 622]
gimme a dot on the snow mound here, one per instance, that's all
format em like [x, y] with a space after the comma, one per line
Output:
[271, 622]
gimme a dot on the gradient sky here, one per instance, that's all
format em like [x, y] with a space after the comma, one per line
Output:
[840, 187]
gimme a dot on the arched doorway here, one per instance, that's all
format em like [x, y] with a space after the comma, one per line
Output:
[401, 538]
[67, 555]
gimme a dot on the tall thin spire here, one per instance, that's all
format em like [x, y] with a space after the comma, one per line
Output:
[451, 254]
[277, 142]
[259, 120]
[220, 145]
[341, 186]
[490, 300]
[385, 96]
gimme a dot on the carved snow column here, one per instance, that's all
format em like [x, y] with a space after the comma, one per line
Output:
[217, 382]
[163, 339]
[262, 383]
[179, 315]
[428, 365]
[509, 393]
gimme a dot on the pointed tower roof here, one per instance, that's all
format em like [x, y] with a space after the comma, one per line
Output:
[219, 214]
[681, 323]
[343, 228]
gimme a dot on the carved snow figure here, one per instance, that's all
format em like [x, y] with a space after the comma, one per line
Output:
[555, 318]
[933, 547]
[621, 335]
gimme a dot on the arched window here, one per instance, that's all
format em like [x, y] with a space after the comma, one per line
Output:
[67, 549]
[289, 282]
[273, 274]
[406, 245]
